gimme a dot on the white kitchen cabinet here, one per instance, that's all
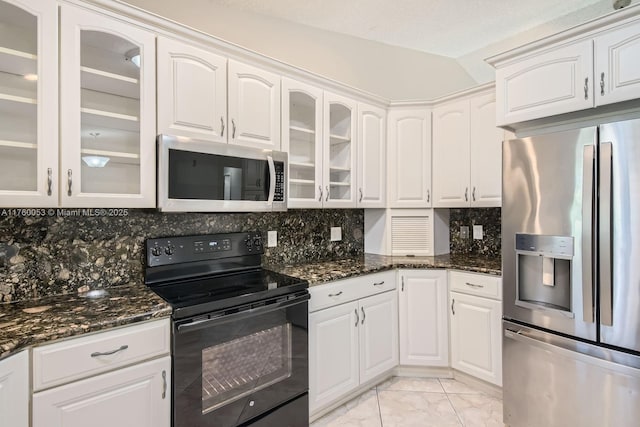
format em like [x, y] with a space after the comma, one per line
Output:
[139, 396]
[467, 153]
[423, 329]
[254, 106]
[557, 80]
[617, 64]
[14, 390]
[302, 109]
[107, 111]
[475, 318]
[372, 158]
[353, 335]
[28, 103]
[409, 152]
[192, 100]
[339, 148]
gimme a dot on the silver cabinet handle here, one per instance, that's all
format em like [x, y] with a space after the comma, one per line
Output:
[320, 188]
[473, 285]
[326, 199]
[233, 129]
[602, 84]
[363, 316]
[453, 310]
[473, 194]
[586, 88]
[466, 194]
[357, 317]
[428, 196]
[402, 289]
[164, 384]
[360, 195]
[49, 181]
[69, 182]
[109, 353]
[379, 283]
[221, 125]
[336, 294]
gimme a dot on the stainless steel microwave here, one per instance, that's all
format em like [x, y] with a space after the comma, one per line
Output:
[199, 176]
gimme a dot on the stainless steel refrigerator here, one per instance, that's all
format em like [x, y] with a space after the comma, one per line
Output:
[571, 274]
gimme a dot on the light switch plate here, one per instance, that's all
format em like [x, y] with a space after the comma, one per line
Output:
[336, 234]
[477, 232]
[272, 239]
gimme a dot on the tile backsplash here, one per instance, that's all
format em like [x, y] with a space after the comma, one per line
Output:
[489, 218]
[42, 256]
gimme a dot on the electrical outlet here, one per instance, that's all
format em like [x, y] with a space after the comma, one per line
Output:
[477, 232]
[272, 239]
[464, 232]
[336, 234]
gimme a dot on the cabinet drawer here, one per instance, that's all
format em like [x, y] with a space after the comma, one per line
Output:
[476, 284]
[334, 293]
[77, 358]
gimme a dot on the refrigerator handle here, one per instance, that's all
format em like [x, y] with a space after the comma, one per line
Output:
[588, 166]
[605, 237]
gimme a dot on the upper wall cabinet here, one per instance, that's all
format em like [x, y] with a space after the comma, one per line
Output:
[107, 111]
[372, 159]
[28, 103]
[192, 101]
[254, 106]
[302, 139]
[467, 152]
[409, 139]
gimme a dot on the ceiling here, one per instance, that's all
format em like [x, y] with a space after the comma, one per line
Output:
[451, 28]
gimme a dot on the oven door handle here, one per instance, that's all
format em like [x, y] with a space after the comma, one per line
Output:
[199, 324]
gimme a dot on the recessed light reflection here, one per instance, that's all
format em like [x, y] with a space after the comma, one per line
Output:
[31, 77]
[95, 161]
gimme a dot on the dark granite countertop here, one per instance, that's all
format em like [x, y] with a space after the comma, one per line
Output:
[325, 271]
[40, 321]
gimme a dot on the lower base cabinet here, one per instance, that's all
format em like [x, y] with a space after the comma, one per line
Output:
[14, 390]
[135, 396]
[352, 342]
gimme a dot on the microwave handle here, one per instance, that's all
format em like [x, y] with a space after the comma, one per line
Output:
[272, 180]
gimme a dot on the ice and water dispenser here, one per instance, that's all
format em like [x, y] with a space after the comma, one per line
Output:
[543, 271]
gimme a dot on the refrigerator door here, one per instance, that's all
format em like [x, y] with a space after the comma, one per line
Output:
[553, 381]
[619, 247]
[547, 231]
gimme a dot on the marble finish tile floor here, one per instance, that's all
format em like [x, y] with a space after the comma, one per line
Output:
[419, 402]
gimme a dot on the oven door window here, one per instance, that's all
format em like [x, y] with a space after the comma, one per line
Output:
[245, 365]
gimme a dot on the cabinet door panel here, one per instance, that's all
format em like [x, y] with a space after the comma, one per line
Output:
[476, 346]
[409, 139]
[14, 390]
[451, 155]
[254, 107]
[136, 396]
[372, 159]
[423, 318]
[192, 95]
[378, 335]
[617, 65]
[553, 82]
[485, 152]
[333, 354]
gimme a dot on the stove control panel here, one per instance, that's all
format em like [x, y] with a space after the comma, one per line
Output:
[180, 249]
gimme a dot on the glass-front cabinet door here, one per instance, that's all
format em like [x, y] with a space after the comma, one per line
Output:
[339, 151]
[107, 112]
[28, 103]
[302, 139]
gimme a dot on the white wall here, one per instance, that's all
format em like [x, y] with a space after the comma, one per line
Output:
[391, 72]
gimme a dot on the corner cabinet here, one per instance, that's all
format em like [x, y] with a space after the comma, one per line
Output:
[372, 159]
[424, 339]
[107, 111]
[28, 103]
[14, 390]
[409, 152]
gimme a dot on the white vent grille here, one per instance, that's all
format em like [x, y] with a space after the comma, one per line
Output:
[411, 235]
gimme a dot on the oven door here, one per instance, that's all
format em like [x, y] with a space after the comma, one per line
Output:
[207, 177]
[230, 369]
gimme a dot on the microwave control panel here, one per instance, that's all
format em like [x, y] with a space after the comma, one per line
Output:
[279, 193]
